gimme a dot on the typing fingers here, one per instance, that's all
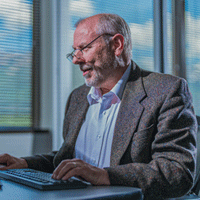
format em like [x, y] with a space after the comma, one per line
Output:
[10, 162]
[85, 171]
[63, 168]
[66, 168]
[4, 159]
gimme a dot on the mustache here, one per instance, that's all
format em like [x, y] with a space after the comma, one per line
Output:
[85, 67]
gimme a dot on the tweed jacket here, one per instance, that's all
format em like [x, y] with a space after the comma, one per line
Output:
[154, 142]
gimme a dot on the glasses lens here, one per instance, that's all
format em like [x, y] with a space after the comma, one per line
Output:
[78, 53]
[69, 57]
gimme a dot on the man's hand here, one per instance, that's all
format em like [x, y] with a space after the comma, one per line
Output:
[83, 170]
[9, 162]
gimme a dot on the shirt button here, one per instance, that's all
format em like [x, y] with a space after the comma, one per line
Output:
[98, 136]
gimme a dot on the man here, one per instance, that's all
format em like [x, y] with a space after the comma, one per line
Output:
[125, 126]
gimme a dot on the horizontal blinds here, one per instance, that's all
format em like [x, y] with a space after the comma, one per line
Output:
[16, 63]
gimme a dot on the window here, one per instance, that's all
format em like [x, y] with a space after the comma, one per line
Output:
[19, 60]
[16, 52]
[192, 31]
[189, 41]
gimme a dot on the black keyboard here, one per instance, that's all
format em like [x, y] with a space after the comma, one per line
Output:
[41, 180]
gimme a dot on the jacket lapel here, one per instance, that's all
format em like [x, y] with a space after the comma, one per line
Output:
[128, 116]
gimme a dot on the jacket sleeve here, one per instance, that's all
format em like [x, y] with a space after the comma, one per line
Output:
[171, 169]
[44, 162]
[41, 162]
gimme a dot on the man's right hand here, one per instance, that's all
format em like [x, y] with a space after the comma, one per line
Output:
[10, 162]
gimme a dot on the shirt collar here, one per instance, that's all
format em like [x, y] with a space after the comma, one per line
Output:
[95, 95]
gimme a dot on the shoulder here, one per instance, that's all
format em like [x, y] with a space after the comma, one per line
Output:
[159, 83]
[79, 93]
[152, 78]
[156, 77]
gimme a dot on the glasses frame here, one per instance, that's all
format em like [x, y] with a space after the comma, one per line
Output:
[71, 55]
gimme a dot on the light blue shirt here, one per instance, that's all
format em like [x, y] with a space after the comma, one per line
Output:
[94, 141]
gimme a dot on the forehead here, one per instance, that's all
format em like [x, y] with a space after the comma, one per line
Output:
[85, 32]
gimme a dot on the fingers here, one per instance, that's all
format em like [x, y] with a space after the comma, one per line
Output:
[63, 168]
[4, 158]
[9, 162]
[75, 165]
[79, 168]
[2, 167]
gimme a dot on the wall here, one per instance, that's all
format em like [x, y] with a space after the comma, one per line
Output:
[16, 144]
[25, 144]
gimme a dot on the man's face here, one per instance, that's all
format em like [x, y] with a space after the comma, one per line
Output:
[97, 61]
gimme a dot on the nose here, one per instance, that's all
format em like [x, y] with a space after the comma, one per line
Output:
[78, 57]
[75, 60]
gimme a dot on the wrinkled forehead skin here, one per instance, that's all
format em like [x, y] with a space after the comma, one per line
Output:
[86, 30]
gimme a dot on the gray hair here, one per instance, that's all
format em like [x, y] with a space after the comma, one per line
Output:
[113, 24]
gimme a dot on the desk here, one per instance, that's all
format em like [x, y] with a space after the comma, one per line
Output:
[15, 191]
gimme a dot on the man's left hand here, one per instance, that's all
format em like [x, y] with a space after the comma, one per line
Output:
[78, 168]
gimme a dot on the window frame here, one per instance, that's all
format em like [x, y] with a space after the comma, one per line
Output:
[36, 66]
[35, 102]
[178, 38]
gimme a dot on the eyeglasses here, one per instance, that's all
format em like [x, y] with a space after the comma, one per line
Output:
[71, 55]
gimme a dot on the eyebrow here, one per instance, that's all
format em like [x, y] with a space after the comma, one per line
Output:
[82, 45]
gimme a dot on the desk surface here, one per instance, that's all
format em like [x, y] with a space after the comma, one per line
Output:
[15, 191]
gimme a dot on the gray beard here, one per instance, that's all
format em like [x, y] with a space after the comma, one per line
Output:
[105, 73]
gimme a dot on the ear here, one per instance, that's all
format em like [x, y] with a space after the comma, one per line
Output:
[118, 44]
